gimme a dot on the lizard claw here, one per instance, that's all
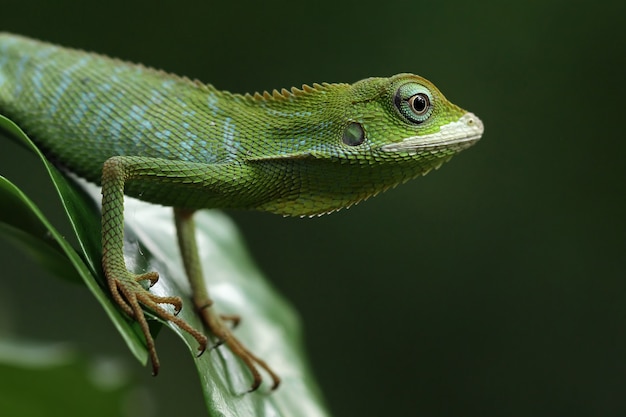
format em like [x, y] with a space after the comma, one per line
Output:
[235, 319]
[153, 277]
[130, 295]
[215, 324]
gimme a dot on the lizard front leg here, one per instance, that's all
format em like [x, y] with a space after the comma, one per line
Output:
[125, 287]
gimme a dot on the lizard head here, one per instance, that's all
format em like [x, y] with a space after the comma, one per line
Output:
[365, 138]
[405, 118]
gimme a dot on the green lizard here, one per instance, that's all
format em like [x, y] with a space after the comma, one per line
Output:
[169, 140]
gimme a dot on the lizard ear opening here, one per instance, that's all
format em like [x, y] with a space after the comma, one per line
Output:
[353, 134]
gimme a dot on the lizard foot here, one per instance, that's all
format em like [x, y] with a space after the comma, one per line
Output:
[215, 323]
[130, 295]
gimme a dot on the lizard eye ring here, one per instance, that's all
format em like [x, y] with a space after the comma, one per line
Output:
[414, 102]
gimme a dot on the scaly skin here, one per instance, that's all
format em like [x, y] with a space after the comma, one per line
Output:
[177, 142]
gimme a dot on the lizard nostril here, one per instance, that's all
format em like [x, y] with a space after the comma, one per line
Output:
[473, 122]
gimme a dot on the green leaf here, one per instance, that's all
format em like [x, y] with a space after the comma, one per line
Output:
[269, 328]
[22, 222]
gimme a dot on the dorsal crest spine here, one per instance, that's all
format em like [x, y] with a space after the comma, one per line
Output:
[294, 92]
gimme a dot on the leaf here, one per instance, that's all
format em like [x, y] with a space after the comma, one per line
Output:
[270, 327]
[22, 221]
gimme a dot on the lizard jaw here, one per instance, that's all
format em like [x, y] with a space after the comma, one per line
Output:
[455, 135]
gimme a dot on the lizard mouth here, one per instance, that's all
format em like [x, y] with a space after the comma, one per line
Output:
[455, 135]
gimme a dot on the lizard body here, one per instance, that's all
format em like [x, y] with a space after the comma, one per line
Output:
[178, 142]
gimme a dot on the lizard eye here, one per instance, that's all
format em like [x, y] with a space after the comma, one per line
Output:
[414, 102]
[419, 104]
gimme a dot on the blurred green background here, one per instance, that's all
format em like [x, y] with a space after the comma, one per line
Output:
[494, 287]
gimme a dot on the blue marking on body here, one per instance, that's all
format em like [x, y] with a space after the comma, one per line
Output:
[58, 93]
[162, 134]
[103, 112]
[187, 145]
[21, 65]
[188, 133]
[187, 113]
[116, 135]
[64, 84]
[203, 148]
[162, 145]
[116, 129]
[137, 115]
[212, 103]
[156, 97]
[182, 102]
[83, 106]
[322, 128]
[37, 84]
[38, 74]
[231, 146]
